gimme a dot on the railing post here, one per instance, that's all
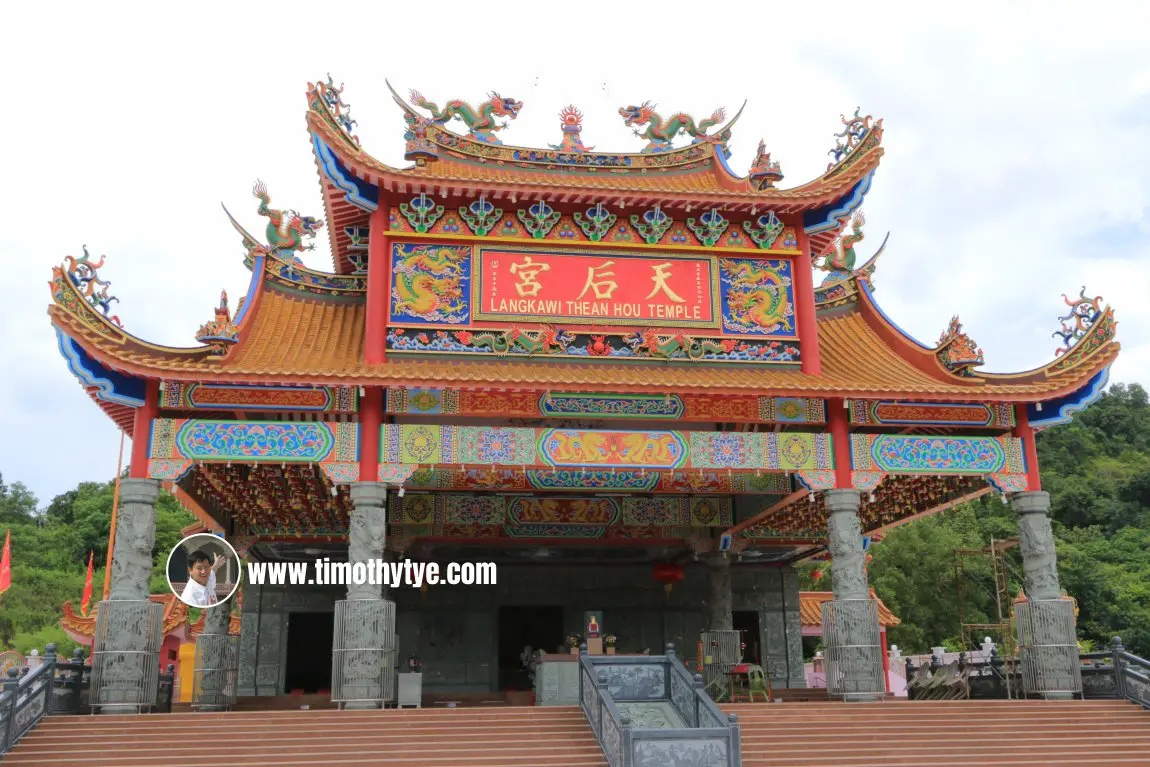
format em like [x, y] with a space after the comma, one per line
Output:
[12, 689]
[49, 680]
[1117, 649]
[700, 688]
[625, 725]
[601, 691]
[734, 742]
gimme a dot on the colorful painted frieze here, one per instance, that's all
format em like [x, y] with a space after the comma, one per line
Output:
[686, 407]
[999, 459]
[880, 413]
[433, 444]
[178, 443]
[431, 284]
[177, 395]
[530, 516]
[604, 480]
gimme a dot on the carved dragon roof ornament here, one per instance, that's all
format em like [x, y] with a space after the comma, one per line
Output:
[957, 352]
[857, 136]
[286, 229]
[764, 173]
[660, 132]
[221, 333]
[571, 123]
[332, 98]
[480, 121]
[839, 259]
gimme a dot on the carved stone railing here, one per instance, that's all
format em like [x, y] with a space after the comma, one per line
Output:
[610, 684]
[24, 700]
[1132, 674]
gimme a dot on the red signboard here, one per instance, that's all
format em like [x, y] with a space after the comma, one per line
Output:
[595, 288]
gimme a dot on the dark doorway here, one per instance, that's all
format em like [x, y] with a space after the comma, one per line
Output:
[748, 623]
[540, 627]
[309, 640]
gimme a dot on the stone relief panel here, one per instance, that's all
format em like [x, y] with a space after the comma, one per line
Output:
[680, 753]
[683, 696]
[633, 682]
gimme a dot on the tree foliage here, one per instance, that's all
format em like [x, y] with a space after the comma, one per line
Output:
[1097, 471]
[50, 548]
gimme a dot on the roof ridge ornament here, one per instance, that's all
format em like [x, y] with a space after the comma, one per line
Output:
[286, 228]
[1085, 312]
[859, 136]
[571, 123]
[480, 121]
[331, 98]
[660, 132]
[84, 275]
[839, 258]
[221, 333]
[764, 173]
[957, 352]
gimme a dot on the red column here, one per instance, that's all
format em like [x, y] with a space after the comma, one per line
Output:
[370, 420]
[1025, 432]
[142, 430]
[885, 663]
[378, 286]
[840, 442]
[805, 319]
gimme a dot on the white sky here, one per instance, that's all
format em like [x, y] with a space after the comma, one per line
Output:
[1017, 139]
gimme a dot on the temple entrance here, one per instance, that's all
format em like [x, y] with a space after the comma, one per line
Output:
[540, 627]
[748, 623]
[309, 640]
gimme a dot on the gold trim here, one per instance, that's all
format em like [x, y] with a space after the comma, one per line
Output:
[394, 234]
[476, 314]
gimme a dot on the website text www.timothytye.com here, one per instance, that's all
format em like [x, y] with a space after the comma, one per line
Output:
[373, 572]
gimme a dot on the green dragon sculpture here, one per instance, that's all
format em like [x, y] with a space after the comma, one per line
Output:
[480, 122]
[840, 260]
[545, 341]
[659, 132]
[675, 344]
[286, 229]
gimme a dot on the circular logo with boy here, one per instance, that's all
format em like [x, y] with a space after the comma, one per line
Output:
[203, 570]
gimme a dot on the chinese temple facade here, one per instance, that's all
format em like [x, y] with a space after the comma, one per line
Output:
[642, 384]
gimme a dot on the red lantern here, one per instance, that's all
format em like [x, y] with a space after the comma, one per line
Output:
[668, 575]
[817, 575]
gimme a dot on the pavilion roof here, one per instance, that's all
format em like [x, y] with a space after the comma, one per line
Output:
[811, 609]
[696, 175]
[82, 628]
[288, 335]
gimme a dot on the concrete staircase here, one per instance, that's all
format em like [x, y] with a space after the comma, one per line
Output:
[459, 737]
[1096, 733]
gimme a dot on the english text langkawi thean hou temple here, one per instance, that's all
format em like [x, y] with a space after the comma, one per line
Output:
[642, 384]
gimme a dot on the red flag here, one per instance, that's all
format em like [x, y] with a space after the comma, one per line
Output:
[6, 564]
[87, 599]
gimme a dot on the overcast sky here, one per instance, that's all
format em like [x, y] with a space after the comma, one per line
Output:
[1017, 140]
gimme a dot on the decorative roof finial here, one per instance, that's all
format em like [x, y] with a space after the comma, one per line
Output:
[571, 123]
[331, 98]
[1085, 312]
[660, 133]
[764, 173]
[859, 136]
[286, 229]
[480, 122]
[85, 277]
[839, 259]
[957, 352]
[221, 333]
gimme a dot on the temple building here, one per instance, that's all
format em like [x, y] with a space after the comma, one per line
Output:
[642, 384]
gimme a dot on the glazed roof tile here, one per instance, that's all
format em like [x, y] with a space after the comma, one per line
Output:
[811, 608]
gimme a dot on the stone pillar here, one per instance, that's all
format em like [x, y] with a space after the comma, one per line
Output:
[1048, 641]
[719, 615]
[216, 660]
[793, 627]
[249, 637]
[851, 631]
[126, 647]
[365, 622]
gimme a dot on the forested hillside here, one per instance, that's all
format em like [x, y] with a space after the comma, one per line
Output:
[1097, 470]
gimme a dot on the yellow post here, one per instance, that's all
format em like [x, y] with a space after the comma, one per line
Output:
[187, 670]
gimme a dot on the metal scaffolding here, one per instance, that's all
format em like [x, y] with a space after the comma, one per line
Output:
[1000, 631]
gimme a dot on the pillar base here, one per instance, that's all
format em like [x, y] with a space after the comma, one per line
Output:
[126, 656]
[364, 653]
